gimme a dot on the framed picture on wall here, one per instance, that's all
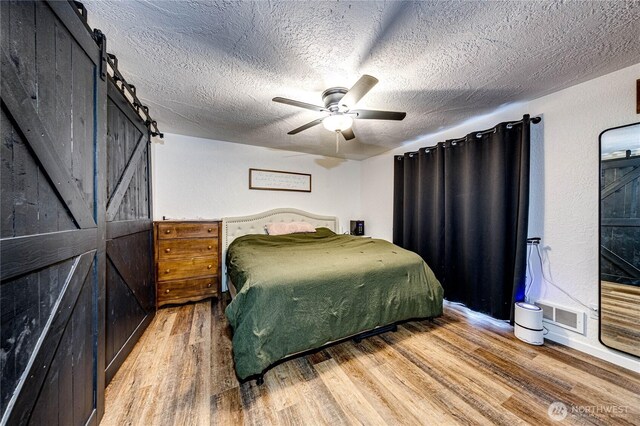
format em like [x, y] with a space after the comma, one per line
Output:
[276, 180]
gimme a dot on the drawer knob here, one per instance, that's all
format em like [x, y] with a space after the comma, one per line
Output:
[167, 250]
[167, 291]
[166, 271]
[168, 231]
[209, 266]
[210, 230]
[209, 247]
[209, 285]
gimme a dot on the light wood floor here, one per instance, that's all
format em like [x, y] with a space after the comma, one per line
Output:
[462, 368]
[620, 316]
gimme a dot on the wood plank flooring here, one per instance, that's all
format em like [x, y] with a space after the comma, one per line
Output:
[461, 368]
[620, 316]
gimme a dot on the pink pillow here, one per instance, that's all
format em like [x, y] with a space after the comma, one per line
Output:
[283, 228]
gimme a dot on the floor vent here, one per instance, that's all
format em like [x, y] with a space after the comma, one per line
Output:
[570, 319]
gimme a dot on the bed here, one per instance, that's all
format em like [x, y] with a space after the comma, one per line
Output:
[298, 292]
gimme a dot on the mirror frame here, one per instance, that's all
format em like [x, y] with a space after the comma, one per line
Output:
[600, 236]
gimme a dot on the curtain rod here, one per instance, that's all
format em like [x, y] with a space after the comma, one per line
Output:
[534, 120]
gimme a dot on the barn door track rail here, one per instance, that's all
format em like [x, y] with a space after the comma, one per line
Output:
[109, 67]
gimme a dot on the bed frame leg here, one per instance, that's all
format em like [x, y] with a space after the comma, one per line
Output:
[260, 380]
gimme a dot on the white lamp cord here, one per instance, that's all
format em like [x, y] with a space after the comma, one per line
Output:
[544, 277]
[527, 286]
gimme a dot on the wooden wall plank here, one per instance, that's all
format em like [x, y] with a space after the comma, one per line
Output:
[621, 181]
[53, 215]
[125, 227]
[135, 271]
[18, 104]
[25, 306]
[66, 397]
[81, 35]
[20, 44]
[24, 254]
[82, 361]
[26, 190]
[63, 98]
[83, 124]
[7, 177]
[26, 394]
[123, 184]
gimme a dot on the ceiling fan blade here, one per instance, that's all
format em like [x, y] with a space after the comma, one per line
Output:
[348, 134]
[306, 126]
[357, 92]
[369, 114]
[299, 104]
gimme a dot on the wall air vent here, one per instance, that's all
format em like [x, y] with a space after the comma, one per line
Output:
[561, 316]
[547, 311]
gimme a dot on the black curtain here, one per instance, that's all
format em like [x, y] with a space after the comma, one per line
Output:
[463, 206]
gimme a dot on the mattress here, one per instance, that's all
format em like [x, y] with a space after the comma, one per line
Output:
[300, 291]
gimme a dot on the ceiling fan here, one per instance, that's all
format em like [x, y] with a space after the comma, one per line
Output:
[338, 102]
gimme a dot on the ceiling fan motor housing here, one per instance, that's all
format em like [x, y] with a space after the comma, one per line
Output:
[331, 97]
[338, 102]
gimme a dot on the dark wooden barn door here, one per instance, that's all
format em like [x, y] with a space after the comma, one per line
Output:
[620, 220]
[130, 294]
[52, 216]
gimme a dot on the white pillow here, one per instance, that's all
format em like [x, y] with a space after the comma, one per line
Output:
[283, 228]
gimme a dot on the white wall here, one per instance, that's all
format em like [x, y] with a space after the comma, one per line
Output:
[564, 193]
[202, 178]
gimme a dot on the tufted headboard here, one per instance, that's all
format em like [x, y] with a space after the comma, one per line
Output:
[234, 227]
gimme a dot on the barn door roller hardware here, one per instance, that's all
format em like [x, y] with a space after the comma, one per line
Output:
[101, 40]
[129, 92]
[82, 11]
[109, 67]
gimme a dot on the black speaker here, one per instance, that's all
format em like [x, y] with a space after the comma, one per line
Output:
[357, 227]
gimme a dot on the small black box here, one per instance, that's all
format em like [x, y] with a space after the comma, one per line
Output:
[357, 227]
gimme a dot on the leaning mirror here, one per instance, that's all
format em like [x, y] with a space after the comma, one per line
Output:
[620, 238]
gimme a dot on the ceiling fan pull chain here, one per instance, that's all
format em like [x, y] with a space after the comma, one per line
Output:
[337, 141]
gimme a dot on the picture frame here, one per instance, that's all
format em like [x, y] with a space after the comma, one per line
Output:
[279, 180]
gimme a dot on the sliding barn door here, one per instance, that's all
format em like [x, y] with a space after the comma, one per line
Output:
[130, 284]
[52, 246]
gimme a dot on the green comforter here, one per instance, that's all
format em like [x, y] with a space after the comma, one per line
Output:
[300, 291]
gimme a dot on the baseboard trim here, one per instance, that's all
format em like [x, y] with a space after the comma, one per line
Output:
[617, 358]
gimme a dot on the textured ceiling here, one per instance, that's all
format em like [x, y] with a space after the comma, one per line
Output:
[210, 69]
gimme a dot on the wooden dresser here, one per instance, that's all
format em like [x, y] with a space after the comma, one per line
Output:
[187, 260]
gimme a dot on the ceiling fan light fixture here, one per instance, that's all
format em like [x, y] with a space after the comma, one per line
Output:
[337, 122]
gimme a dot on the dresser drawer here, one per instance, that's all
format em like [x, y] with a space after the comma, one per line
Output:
[179, 248]
[187, 268]
[187, 230]
[180, 291]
